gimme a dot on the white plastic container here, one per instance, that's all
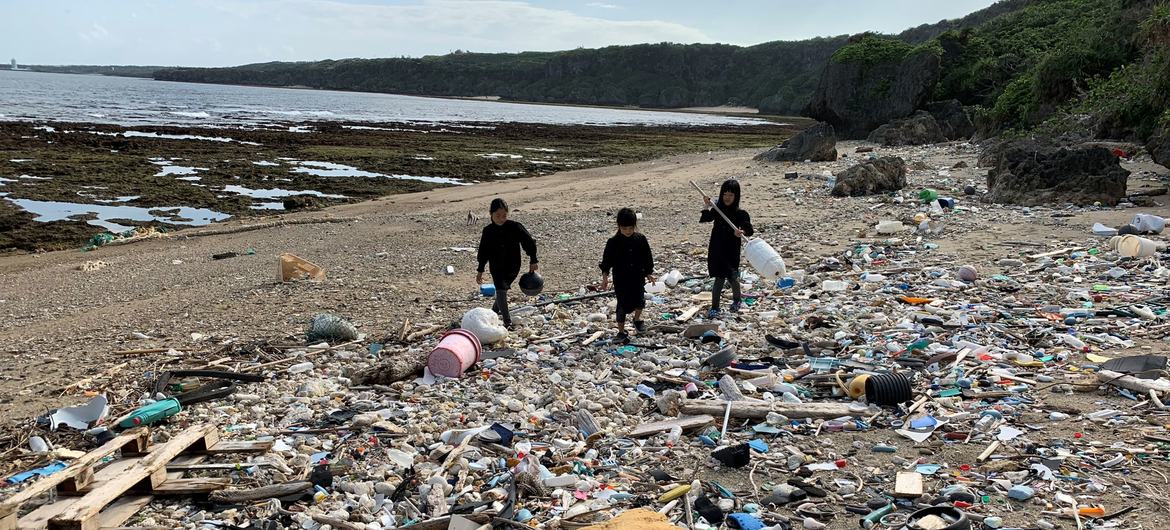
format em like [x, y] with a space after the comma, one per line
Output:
[672, 278]
[1145, 222]
[834, 286]
[765, 260]
[656, 288]
[886, 228]
[1136, 247]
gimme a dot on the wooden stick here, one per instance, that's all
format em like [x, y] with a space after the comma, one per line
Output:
[424, 332]
[573, 299]
[558, 337]
[305, 356]
[108, 372]
[744, 409]
[150, 350]
[717, 210]
[987, 452]
[593, 337]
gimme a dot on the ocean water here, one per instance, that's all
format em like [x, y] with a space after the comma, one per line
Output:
[33, 96]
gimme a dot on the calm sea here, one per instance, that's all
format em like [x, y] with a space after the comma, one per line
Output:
[132, 101]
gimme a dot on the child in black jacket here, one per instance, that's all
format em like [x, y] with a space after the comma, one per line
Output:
[499, 248]
[723, 249]
[628, 255]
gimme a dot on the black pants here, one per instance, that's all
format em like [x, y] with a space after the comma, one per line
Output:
[501, 305]
[717, 289]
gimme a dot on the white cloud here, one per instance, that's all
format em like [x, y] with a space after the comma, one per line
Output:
[94, 33]
[339, 29]
[603, 5]
[233, 32]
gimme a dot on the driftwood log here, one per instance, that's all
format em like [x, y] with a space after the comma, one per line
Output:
[256, 494]
[398, 367]
[338, 523]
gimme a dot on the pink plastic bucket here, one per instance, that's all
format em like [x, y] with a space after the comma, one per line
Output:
[457, 351]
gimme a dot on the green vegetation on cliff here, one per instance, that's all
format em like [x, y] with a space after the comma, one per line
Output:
[776, 77]
[1053, 56]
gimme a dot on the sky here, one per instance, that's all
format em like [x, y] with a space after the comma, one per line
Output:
[233, 32]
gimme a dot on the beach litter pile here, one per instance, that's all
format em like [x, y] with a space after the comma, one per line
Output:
[886, 385]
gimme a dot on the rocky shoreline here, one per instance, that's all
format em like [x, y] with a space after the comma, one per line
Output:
[132, 173]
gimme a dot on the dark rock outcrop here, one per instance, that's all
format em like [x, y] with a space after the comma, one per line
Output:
[1030, 174]
[817, 143]
[858, 96]
[918, 129]
[952, 119]
[300, 202]
[872, 177]
[1159, 147]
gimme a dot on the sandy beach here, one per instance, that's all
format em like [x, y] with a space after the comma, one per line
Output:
[386, 263]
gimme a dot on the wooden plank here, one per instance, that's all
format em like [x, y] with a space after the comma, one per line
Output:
[987, 452]
[122, 510]
[689, 313]
[136, 438]
[38, 519]
[82, 515]
[239, 446]
[908, 485]
[686, 422]
[596, 335]
[191, 486]
[103, 475]
[226, 465]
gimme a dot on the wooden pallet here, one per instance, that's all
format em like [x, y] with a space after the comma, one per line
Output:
[95, 499]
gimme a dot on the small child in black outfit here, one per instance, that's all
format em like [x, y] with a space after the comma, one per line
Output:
[628, 255]
[499, 251]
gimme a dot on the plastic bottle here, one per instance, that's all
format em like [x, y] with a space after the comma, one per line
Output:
[872, 278]
[890, 227]
[300, 368]
[834, 286]
[987, 420]
[1072, 341]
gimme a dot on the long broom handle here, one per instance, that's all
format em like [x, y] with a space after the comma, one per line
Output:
[717, 210]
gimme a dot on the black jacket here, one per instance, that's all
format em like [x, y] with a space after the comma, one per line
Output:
[629, 258]
[723, 250]
[499, 247]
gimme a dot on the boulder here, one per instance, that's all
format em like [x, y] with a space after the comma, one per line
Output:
[1029, 173]
[300, 202]
[1159, 147]
[872, 177]
[817, 143]
[952, 119]
[918, 129]
[871, 81]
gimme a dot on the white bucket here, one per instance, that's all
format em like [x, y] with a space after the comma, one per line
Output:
[1136, 247]
[765, 259]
